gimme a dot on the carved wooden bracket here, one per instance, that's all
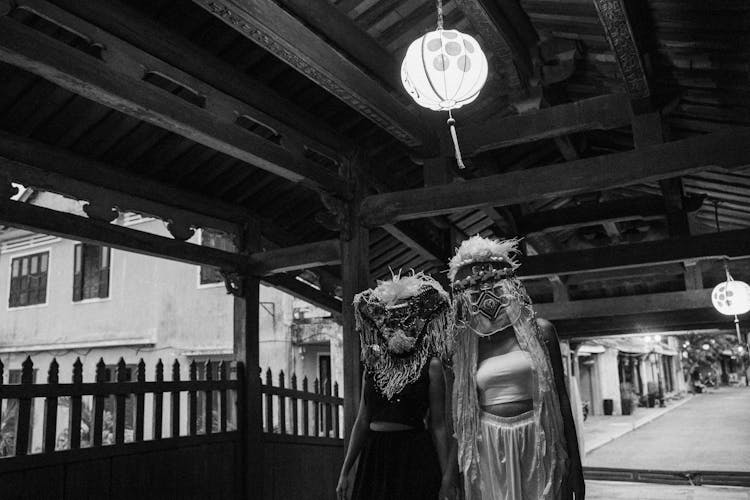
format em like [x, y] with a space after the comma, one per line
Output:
[233, 281]
[339, 219]
[180, 230]
[7, 189]
[101, 210]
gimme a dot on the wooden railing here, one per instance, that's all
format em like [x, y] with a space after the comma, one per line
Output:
[298, 412]
[104, 422]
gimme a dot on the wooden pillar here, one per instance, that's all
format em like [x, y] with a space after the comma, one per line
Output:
[246, 291]
[355, 275]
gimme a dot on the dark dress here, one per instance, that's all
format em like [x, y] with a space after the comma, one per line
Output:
[399, 465]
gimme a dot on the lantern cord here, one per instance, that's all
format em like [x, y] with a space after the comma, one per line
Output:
[452, 125]
[439, 14]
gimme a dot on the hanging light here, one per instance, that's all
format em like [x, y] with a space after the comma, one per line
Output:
[444, 70]
[731, 297]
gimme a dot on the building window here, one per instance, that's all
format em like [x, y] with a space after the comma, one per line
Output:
[28, 280]
[90, 272]
[220, 241]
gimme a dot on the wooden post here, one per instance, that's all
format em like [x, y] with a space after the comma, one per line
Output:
[140, 402]
[174, 399]
[158, 423]
[23, 421]
[246, 290]
[223, 397]
[208, 415]
[122, 377]
[101, 378]
[355, 271]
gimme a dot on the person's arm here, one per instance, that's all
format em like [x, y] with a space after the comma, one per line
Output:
[437, 411]
[449, 485]
[356, 441]
[574, 478]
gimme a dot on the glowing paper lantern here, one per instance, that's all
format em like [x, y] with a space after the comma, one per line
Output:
[444, 70]
[731, 297]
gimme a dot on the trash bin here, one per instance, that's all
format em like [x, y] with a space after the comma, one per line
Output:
[608, 405]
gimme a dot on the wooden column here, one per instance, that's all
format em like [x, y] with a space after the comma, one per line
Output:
[246, 291]
[355, 275]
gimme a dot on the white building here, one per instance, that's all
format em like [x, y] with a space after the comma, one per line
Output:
[65, 299]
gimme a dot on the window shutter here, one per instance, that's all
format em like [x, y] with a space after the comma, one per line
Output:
[77, 274]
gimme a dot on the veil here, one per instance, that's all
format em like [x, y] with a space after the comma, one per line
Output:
[546, 405]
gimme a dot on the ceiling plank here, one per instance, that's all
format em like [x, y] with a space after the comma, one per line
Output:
[601, 112]
[645, 324]
[417, 242]
[274, 29]
[726, 149]
[108, 83]
[730, 244]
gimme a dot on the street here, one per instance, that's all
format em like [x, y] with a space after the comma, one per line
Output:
[709, 432]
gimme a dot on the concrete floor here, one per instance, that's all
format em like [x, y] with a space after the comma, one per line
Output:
[612, 490]
[709, 432]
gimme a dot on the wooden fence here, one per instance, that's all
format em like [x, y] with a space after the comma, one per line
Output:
[163, 438]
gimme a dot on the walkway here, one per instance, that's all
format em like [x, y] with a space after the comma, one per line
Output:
[611, 490]
[708, 432]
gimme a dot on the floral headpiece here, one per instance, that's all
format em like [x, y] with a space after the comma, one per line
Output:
[402, 323]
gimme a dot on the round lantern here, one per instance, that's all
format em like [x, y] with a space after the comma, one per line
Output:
[444, 70]
[731, 297]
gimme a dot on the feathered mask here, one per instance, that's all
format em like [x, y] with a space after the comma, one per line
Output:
[402, 323]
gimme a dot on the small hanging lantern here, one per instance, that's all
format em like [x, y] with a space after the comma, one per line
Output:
[732, 298]
[444, 70]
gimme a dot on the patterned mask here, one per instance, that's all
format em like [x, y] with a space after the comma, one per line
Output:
[402, 323]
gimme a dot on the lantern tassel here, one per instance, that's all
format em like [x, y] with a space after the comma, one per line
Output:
[452, 125]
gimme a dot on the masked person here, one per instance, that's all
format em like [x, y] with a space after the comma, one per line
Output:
[403, 325]
[515, 433]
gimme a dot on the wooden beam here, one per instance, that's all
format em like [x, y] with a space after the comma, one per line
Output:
[418, 242]
[730, 244]
[65, 225]
[339, 29]
[602, 113]
[46, 221]
[298, 257]
[588, 214]
[35, 164]
[627, 305]
[114, 84]
[260, 102]
[291, 285]
[276, 30]
[726, 149]
[614, 19]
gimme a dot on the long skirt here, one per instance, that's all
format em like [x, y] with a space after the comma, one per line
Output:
[399, 465]
[509, 457]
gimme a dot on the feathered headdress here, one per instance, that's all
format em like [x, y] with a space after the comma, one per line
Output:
[402, 323]
[479, 249]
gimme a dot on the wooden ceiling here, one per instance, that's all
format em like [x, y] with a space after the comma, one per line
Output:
[260, 105]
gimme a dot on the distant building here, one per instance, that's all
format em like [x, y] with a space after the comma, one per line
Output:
[626, 370]
[65, 299]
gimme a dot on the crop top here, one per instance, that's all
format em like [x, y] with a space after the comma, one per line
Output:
[506, 378]
[408, 407]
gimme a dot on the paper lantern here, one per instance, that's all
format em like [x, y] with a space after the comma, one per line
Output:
[444, 70]
[731, 297]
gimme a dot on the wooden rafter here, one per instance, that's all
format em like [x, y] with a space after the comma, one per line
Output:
[117, 82]
[730, 244]
[261, 102]
[290, 284]
[727, 149]
[602, 112]
[274, 29]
